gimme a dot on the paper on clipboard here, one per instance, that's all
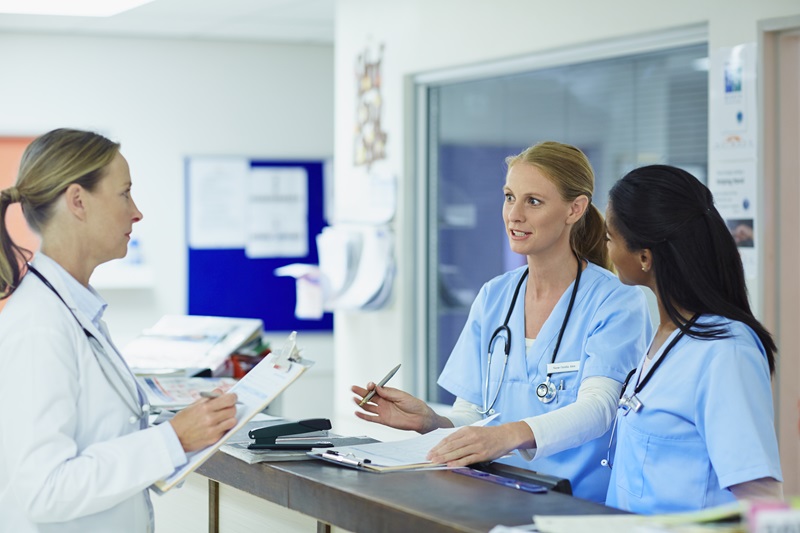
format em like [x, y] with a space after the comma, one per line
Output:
[393, 456]
[255, 390]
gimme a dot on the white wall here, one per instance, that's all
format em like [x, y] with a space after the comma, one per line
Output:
[165, 100]
[426, 35]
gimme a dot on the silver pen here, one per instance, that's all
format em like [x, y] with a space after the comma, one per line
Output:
[336, 456]
[382, 382]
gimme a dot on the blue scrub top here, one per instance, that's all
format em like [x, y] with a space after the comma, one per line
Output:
[706, 423]
[607, 333]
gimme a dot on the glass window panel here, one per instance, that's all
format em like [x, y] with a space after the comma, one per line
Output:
[622, 112]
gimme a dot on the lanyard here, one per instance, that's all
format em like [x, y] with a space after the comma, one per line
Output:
[627, 403]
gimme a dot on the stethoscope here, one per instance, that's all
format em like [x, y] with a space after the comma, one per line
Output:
[545, 391]
[632, 402]
[139, 409]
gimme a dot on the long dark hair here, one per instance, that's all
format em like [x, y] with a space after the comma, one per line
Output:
[696, 263]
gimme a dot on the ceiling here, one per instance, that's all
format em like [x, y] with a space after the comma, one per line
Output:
[289, 21]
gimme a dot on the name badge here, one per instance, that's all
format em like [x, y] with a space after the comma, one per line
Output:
[569, 366]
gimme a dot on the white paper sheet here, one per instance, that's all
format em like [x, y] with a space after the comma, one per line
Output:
[402, 452]
[216, 199]
[277, 212]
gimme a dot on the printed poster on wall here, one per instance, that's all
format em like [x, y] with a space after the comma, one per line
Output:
[232, 206]
[733, 136]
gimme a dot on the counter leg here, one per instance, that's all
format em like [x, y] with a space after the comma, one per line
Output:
[213, 506]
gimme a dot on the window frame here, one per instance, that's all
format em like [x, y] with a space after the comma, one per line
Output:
[423, 208]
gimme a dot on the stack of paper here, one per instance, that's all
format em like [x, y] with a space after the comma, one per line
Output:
[179, 343]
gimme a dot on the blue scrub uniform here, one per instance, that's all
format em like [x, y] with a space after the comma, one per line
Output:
[607, 333]
[706, 423]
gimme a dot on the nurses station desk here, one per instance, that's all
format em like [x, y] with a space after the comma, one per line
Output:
[357, 501]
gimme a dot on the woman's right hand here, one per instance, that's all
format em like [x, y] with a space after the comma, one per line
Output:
[204, 422]
[395, 408]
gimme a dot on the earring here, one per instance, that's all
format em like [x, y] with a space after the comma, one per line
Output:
[644, 269]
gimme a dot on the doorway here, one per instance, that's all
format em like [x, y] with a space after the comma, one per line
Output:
[780, 46]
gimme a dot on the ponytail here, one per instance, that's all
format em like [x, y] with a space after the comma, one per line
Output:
[588, 238]
[12, 256]
[50, 164]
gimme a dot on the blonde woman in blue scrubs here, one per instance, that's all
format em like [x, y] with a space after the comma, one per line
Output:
[695, 425]
[572, 333]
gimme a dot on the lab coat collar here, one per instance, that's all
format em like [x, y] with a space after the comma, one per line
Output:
[54, 273]
[86, 299]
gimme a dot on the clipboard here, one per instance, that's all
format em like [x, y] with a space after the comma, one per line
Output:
[395, 456]
[257, 389]
[364, 463]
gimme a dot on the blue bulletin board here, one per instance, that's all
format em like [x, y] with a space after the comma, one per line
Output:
[224, 281]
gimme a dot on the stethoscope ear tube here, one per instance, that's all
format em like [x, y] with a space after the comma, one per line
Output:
[546, 391]
[487, 405]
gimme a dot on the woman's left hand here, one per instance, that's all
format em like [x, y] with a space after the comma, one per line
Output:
[473, 444]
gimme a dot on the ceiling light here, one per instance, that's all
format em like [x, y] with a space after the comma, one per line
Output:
[69, 8]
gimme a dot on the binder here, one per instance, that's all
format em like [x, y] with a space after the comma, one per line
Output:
[257, 389]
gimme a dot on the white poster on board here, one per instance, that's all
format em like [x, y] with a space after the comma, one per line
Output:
[733, 135]
[276, 212]
[216, 200]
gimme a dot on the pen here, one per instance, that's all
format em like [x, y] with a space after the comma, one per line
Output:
[383, 382]
[501, 480]
[211, 395]
[339, 458]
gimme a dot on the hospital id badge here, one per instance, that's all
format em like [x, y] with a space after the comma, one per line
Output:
[628, 404]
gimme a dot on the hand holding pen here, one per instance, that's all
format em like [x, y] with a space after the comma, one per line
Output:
[395, 408]
[204, 422]
[382, 382]
[213, 394]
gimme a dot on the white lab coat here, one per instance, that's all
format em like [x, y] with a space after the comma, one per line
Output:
[70, 459]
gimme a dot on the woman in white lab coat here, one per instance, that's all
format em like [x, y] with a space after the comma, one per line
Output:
[76, 452]
[577, 332]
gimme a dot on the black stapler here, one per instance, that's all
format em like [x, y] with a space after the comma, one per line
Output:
[266, 438]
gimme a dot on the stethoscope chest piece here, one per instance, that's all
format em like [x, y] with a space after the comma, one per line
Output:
[546, 391]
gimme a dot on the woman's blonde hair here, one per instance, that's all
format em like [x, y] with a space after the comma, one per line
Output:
[570, 171]
[49, 165]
